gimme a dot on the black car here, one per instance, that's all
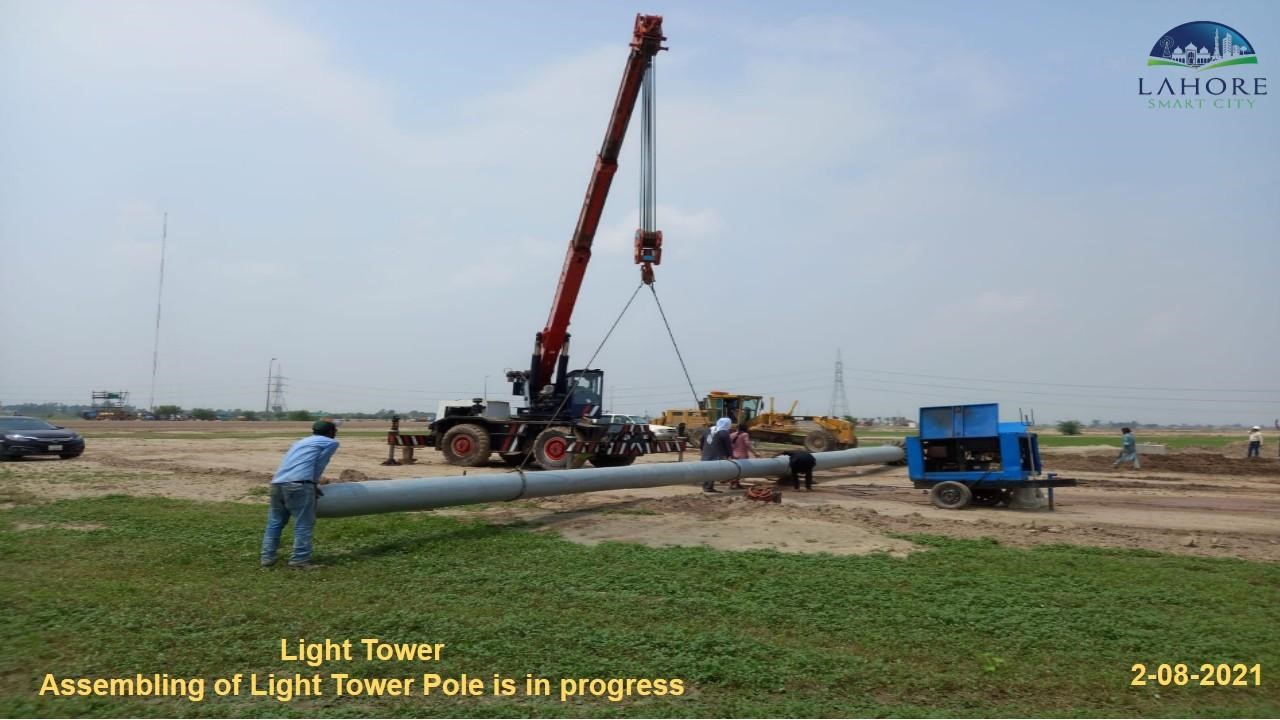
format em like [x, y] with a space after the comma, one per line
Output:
[21, 436]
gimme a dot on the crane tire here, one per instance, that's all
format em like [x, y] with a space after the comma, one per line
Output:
[467, 444]
[603, 461]
[950, 495]
[551, 448]
[819, 441]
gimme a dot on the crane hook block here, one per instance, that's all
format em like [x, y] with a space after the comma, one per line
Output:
[648, 253]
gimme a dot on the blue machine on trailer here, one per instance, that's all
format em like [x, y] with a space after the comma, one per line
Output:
[964, 455]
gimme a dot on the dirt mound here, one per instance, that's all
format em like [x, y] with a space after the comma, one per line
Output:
[1194, 463]
[348, 475]
[725, 523]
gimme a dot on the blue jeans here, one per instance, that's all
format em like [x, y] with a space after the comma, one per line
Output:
[1255, 449]
[290, 499]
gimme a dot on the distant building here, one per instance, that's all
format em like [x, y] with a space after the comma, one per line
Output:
[1224, 48]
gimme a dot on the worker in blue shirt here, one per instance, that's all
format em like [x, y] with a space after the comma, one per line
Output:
[1128, 449]
[294, 490]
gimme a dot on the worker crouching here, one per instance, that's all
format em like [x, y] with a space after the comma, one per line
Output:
[802, 463]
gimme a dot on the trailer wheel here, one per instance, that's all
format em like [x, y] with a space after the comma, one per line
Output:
[819, 441]
[551, 448]
[601, 460]
[466, 445]
[950, 495]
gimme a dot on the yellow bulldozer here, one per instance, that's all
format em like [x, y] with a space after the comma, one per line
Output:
[817, 433]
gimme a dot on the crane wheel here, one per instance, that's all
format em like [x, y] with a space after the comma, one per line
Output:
[551, 448]
[601, 460]
[466, 445]
[950, 495]
[819, 441]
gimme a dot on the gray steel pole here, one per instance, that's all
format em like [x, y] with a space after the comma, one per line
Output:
[380, 496]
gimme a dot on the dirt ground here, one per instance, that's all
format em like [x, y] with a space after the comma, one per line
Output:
[1191, 502]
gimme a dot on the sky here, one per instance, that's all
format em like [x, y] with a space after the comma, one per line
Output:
[965, 202]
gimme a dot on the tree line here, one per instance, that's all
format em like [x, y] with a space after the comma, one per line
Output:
[177, 412]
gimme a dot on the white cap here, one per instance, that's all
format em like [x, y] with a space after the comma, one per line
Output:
[1256, 427]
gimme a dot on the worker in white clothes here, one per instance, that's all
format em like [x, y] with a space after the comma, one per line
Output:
[1255, 442]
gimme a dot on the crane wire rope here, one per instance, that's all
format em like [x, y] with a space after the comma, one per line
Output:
[565, 401]
[649, 203]
[675, 345]
[649, 189]
[612, 327]
[680, 356]
[648, 223]
[648, 153]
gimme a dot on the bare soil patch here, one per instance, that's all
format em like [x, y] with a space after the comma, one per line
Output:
[1198, 463]
[1187, 502]
[81, 527]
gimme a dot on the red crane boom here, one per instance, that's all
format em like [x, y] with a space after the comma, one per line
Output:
[645, 43]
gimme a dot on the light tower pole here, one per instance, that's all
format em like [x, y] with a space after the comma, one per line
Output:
[155, 348]
[266, 409]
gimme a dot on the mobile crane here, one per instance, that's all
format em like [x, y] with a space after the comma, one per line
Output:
[561, 405]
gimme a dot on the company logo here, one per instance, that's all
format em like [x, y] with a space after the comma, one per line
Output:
[1202, 45]
[1184, 52]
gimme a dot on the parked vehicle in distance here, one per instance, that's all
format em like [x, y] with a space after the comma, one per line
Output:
[660, 432]
[21, 436]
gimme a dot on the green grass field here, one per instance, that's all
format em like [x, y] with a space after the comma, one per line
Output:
[115, 586]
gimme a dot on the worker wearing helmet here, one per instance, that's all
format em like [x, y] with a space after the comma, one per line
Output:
[1255, 442]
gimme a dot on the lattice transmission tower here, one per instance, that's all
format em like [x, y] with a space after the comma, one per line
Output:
[275, 389]
[839, 398]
